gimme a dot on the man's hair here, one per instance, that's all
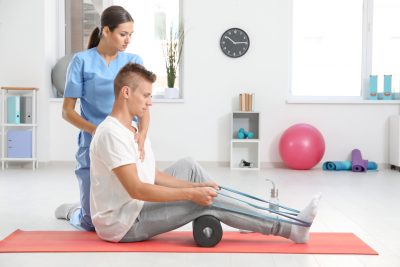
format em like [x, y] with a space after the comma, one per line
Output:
[131, 75]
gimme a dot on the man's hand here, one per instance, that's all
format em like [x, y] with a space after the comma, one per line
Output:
[209, 184]
[140, 138]
[203, 195]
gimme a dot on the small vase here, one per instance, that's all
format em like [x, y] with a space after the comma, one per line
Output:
[171, 93]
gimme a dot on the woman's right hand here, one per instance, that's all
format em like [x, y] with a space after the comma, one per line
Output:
[93, 135]
[70, 115]
[203, 195]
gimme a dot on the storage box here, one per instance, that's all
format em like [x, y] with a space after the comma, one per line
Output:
[19, 144]
[387, 88]
[373, 87]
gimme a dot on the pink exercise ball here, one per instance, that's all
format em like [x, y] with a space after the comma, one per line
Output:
[302, 146]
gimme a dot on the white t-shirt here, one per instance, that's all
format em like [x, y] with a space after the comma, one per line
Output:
[113, 211]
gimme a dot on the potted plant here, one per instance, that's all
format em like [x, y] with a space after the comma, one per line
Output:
[172, 48]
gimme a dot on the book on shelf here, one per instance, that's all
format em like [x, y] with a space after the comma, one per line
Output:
[253, 101]
[246, 102]
[250, 103]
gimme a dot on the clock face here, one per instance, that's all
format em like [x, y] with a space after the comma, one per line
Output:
[235, 42]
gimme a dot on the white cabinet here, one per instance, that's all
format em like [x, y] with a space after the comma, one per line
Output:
[394, 141]
[18, 91]
[247, 149]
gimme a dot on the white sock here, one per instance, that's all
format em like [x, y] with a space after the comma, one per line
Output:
[299, 234]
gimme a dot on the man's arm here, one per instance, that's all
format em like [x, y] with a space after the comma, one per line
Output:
[166, 180]
[127, 175]
[140, 137]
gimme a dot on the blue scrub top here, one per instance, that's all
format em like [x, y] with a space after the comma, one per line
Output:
[89, 79]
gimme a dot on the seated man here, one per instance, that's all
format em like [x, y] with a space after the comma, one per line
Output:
[132, 201]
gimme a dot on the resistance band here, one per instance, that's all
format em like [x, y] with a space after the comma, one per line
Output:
[281, 213]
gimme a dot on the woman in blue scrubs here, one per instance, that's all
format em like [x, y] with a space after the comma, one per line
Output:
[90, 77]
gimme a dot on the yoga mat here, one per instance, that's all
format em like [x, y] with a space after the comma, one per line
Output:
[358, 164]
[232, 242]
[346, 166]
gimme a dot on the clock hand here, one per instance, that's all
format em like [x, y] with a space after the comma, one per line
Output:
[241, 43]
[226, 37]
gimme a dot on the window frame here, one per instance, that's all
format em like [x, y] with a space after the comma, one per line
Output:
[366, 65]
[107, 3]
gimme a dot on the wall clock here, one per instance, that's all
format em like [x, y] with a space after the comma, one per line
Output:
[235, 42]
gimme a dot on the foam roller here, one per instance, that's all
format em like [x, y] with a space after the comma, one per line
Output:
[207, 231]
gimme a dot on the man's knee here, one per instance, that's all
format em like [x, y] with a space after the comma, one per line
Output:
[188, 161]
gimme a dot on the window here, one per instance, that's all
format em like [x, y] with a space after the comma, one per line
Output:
[337, 45]
[152, 18]
[81, 17]
[386, 42]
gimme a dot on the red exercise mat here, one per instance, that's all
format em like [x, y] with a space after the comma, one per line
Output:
[232, 242]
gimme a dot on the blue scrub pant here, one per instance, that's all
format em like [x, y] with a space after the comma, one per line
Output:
[81, 219]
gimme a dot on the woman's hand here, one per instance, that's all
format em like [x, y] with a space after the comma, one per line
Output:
[140, 138]
[209, 184]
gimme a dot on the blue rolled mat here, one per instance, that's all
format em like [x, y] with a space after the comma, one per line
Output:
[346, 166]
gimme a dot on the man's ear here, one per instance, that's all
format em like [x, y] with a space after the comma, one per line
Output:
[125, 91]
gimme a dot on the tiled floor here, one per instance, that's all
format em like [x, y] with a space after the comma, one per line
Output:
[367, 204]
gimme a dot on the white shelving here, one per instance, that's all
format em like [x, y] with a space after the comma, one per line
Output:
[247, 149]
[18, 91]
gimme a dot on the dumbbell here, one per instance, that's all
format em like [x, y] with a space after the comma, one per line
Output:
[244, 163]
[207, 231]
[243, 135]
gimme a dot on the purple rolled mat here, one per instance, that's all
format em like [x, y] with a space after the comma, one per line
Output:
[357, 163]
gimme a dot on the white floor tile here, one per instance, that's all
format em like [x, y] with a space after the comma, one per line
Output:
[208, 259]
[294, 260]
[338, 261]
[253, 260]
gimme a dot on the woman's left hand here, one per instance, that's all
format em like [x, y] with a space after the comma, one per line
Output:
[140, 138]
[209, 184]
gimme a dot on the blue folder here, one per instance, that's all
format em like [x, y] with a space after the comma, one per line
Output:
[346, 166]
[373, 87]
[387, 88]
[13, 110]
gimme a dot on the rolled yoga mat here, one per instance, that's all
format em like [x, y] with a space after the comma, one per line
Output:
[176, 241]
[346, 166]
[357, 163]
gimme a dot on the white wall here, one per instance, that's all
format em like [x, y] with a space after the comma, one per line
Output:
[200, 127]
[27, 54]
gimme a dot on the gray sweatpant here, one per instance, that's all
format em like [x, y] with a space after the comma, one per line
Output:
[159, 217]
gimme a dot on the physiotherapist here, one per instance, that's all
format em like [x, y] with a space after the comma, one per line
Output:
[90, 77]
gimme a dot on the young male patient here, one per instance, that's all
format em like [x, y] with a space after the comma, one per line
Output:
[132, 201]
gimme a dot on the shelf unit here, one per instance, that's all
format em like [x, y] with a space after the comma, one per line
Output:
[18, 91]
[247, 149]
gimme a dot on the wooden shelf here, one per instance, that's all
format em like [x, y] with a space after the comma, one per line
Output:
[20, 88]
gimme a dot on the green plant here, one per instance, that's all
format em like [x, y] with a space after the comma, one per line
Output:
[172, 48]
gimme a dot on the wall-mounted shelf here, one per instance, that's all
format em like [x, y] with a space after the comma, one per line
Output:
[247, 149]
